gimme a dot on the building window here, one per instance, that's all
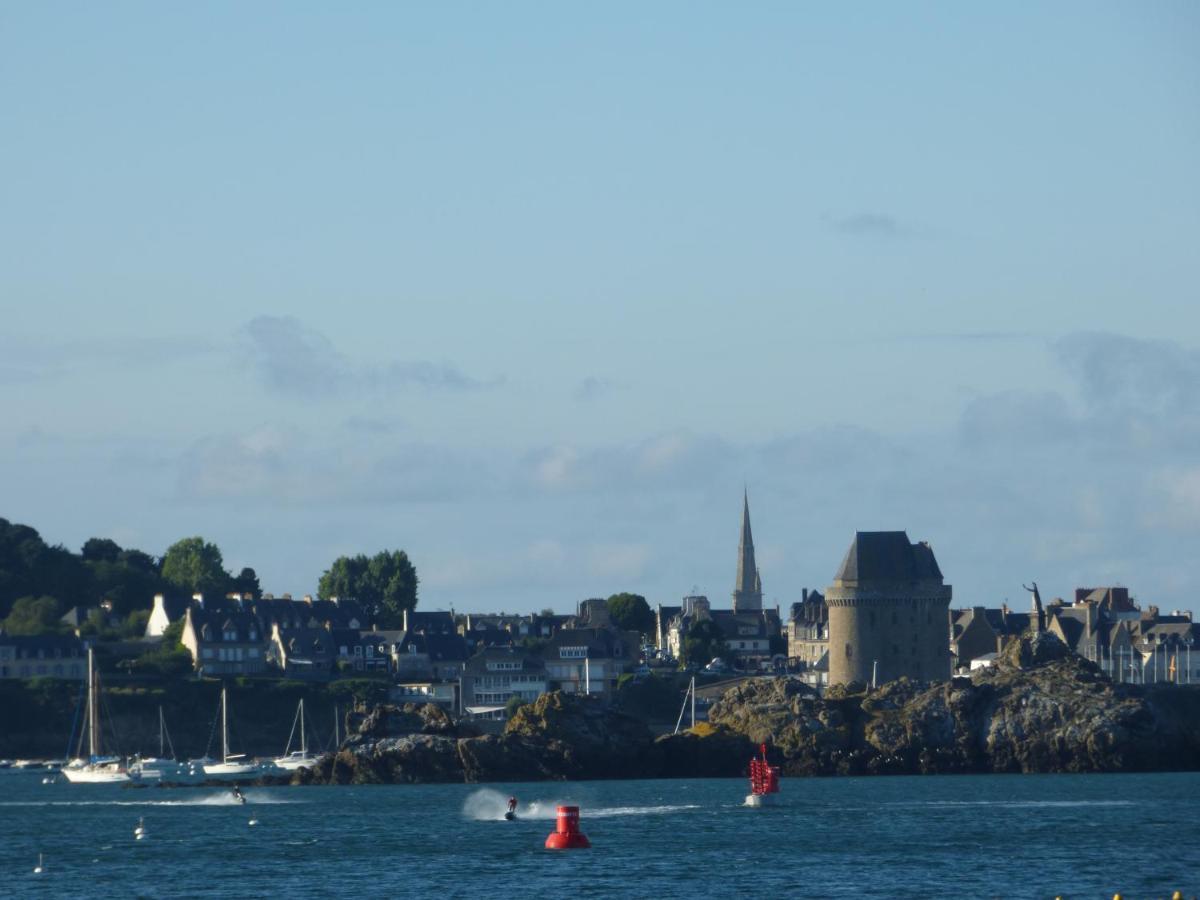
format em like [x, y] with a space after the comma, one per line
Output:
[849, 652]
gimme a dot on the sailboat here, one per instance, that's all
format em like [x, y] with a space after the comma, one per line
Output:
[153, 767]
[95, 769]
[297, 758]
[232, 765]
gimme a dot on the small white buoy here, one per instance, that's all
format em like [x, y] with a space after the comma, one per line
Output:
[39, 869]
[140, 831]
[254, 821]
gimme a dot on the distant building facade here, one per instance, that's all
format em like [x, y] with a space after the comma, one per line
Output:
[42, 656]
[494, 675]
[808, 637]
[888, 608]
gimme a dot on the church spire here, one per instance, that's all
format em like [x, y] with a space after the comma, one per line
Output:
[747, 590]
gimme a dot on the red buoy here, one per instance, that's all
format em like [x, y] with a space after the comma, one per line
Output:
[566, 835]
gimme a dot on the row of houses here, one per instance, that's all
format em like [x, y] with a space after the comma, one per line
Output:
[1104, 625]
[474, 664]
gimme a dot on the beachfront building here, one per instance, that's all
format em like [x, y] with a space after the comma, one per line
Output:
[224, 641]
[495, 675]
[589, 660]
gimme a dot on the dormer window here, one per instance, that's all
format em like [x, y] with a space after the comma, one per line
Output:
[229, 634]
[253, 634]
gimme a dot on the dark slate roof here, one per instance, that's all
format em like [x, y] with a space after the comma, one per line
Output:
[433, 622]
[445, 647]
[211, 624]
[887, 556]
[600, 643]
[1072, 629]
[76, 615]
[307, 643]
[1007, 622]
[440, 647]
[731, 624]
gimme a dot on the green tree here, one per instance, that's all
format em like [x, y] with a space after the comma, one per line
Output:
[100, 549]
[35, 615]
[385, 585]
[172, 635]
[703, 643]
[631, 612]
[193, 564]
[246, 582]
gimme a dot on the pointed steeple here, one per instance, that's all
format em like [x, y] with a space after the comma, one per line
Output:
[747, 590]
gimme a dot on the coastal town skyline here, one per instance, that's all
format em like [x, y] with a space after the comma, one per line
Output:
[928, 269]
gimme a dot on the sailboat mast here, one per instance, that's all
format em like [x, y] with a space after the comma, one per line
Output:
[224, 727]
[92, 717]
[161, 726]
[303, 739]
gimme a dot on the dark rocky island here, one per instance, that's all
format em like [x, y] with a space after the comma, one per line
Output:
[1039, 709]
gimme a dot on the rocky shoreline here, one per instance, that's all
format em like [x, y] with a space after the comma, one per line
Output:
[1039, 709]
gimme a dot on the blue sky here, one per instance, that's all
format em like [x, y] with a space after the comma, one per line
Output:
[532, 290]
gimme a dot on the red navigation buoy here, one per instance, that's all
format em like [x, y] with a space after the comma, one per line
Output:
[566, 835]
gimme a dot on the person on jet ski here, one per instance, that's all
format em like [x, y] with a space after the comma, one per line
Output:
[512, 806]
[237, 794]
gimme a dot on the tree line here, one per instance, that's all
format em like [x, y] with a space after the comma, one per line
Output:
[40, 582]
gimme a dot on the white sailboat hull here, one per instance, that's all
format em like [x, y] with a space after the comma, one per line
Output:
[95, 775]
[292, 762]
[230, 770]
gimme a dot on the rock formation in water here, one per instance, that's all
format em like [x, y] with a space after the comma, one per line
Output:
[1039, 709]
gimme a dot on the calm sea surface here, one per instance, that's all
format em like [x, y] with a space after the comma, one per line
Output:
[968, 836]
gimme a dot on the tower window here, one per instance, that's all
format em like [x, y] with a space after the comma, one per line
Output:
[849, 651]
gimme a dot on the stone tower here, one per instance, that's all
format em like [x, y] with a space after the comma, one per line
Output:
[888, 609]
[747, 590]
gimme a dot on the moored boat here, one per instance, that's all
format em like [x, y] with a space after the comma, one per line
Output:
[232, 765]
[301, 758]
[96, 769]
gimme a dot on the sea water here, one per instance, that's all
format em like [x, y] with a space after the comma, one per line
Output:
[945, 836]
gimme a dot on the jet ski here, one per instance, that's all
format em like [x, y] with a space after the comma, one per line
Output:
[510, 816]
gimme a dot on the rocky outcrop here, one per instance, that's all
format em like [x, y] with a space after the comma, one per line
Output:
[1039, 709]
[557, 737]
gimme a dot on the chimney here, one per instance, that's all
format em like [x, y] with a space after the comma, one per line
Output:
[804, 595]
[199, 598]
[308, 599]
